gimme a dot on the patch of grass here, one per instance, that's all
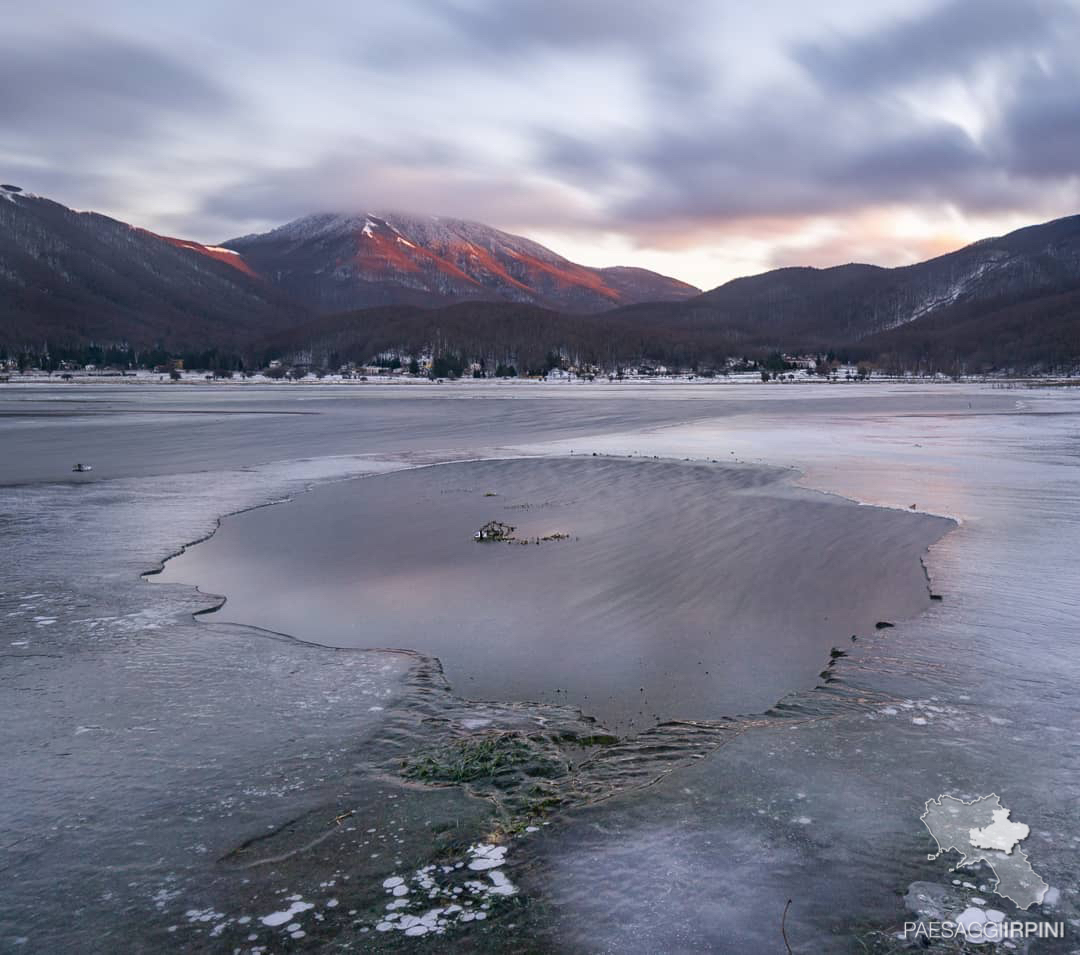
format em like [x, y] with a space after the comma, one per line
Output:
[482, 759]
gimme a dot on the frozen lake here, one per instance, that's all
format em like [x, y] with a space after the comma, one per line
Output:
[178, 783]
[682, 591]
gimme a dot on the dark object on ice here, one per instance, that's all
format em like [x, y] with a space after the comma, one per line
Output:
[883, 625]
[494, 531]
[783, 927]
[936, 597]
[83, 467]
[834, 653]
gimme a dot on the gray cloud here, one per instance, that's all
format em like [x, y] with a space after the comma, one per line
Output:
[795, 150]
[93, 89]
[1039, 135]
[810, 161]
[948, 40]
[631, 118]
[934, 162]
[265, 198]
[512, 25]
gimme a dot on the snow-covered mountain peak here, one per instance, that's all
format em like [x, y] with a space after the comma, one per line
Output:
[352, 259]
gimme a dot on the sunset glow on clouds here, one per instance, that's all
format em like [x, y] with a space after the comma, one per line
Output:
[704, 140]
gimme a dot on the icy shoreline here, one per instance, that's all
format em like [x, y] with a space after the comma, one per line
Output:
[678, 542]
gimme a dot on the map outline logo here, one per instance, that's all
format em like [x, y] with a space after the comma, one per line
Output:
[981, 830]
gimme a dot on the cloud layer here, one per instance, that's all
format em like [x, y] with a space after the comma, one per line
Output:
[696, 138]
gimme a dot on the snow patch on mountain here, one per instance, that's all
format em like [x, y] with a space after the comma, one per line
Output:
[957, 289]
[11, 193]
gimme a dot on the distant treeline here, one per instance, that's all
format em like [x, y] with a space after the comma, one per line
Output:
[1041, 334]
[48, 357]
[1006, 334]
[527, 337]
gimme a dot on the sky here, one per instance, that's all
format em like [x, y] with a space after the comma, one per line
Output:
[705, 140]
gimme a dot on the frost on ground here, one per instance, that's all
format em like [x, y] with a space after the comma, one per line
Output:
[437, 897]
[280, 918]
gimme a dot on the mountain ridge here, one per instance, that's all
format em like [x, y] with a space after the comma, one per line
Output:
[338, 261]
[821, 307]
[79, 277]
[1021, 291]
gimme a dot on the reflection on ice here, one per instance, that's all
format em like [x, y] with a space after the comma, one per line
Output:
[688, 591]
